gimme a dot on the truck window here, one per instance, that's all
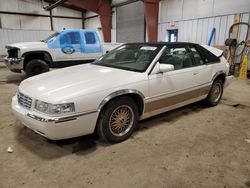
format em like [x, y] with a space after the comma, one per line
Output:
[90, 38]
[70, 38]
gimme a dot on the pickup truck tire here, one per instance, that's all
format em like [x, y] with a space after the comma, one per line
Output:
[35, 67]
[118, 120]
[215, 93]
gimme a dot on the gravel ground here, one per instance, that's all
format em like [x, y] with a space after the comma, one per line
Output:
[193, 146]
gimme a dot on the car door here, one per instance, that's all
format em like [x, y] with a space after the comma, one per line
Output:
[180, 86]
[202, 71]
[71, 45]
[92, 45]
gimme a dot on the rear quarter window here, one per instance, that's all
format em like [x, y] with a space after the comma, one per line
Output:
[207, 56]
[90, 38]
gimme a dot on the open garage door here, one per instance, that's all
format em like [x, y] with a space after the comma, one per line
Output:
[130, 24]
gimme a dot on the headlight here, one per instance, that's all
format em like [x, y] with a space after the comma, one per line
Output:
[54, 109]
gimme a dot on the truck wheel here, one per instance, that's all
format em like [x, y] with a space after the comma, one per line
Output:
[35, 67]
[215, 93]
[118, 120]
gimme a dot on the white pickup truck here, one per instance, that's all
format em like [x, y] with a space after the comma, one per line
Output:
[61, 49]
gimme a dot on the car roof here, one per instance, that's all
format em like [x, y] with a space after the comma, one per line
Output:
[206, 54]
[160, 44]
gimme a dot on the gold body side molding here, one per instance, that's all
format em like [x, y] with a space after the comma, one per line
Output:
[173, 100]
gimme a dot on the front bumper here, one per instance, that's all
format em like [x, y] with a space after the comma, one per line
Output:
[56, 128]
[14, 64]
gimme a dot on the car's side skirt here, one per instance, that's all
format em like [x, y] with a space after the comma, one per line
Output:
[164, 104]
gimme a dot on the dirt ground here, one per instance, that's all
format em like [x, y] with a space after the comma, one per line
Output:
[193, 146]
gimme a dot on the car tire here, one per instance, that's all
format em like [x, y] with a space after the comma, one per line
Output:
[118, 120]
[215, 93]
[35, 67]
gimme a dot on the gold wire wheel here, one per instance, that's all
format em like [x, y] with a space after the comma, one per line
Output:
[121, 120]
[216, 92]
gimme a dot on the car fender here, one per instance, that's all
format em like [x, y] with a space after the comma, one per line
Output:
[120, 93]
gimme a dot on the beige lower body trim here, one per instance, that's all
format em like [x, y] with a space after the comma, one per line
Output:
[172, 101]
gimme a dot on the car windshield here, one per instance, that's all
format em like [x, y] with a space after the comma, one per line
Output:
[50, 37]
[133, 57]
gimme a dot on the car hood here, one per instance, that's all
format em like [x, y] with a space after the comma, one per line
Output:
[68, 83]
[27, 45]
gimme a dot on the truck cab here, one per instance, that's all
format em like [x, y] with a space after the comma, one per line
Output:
[61, 49]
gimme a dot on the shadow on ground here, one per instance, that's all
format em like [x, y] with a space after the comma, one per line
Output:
[89, 144]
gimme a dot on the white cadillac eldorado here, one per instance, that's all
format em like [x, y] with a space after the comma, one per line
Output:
[132, 82]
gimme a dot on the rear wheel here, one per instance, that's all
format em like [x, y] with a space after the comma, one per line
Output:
[35, 67]
[215, 93]
[118, 120]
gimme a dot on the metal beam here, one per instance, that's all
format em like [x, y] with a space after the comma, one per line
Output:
[151, 8]
[124, 3]
[51, 20]
[83, 20]
[66, 5]
[41, 15]
[54, 5]
[101, 7]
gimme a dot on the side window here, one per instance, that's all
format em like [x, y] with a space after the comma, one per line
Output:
[197, 58]
[70, 38]
[90, 38]
[177, 56]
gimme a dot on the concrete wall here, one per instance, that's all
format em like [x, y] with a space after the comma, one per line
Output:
[20, 28]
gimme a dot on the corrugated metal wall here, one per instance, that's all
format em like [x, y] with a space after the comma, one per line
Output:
[20, 28]
[195, 19]
[12, 36]
[130, 22]
[199, 30]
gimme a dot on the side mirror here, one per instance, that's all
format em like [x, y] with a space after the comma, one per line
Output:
[165, 68]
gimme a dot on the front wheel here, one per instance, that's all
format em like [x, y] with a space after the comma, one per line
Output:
[215, 93]
[118, 120]
[35, 67]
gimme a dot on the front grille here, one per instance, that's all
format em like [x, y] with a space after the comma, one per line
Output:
[24, 100]
[13, 53]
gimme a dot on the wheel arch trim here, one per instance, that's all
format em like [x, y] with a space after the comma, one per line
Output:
[47, 54]
[218, 74]
[120, 93]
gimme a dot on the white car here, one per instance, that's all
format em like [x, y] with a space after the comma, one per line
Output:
[128, 84]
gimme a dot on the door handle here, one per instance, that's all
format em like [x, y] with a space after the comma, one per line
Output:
[195, 73]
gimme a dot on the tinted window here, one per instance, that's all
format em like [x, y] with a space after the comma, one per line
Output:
[70, 38]
[130, 57]
[206, 55]
[197, 58]
[179, 57]
[90, 38]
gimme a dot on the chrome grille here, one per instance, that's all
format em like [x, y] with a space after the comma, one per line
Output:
[24, 100]
[13, 52]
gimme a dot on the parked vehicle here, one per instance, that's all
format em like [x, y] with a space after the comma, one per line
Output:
[61, 49]
[130, 83]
